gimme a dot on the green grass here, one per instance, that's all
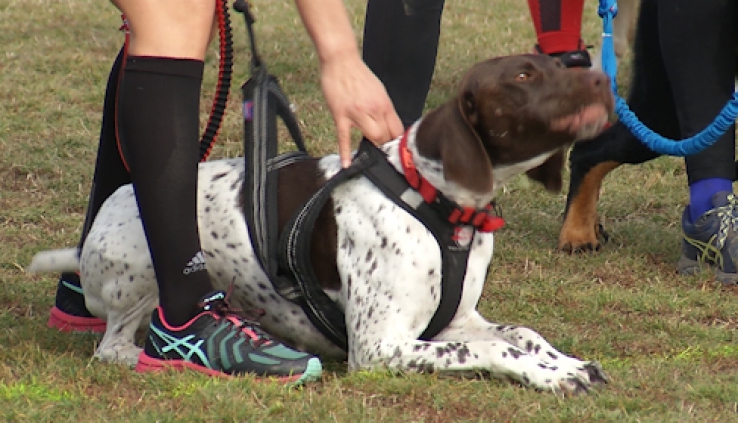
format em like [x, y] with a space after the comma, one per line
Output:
[668, 342]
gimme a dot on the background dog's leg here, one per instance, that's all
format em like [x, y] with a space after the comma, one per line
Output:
[623, 30]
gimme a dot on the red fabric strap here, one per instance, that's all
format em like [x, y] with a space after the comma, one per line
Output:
[426, 190]
[482, 219]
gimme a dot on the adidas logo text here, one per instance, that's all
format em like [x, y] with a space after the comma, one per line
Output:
[195, 264]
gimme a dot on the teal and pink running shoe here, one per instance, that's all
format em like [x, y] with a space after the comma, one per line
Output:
[219, 341]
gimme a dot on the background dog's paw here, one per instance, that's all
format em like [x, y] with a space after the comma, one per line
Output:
[602, 236]
[576, 241]
[580, 247]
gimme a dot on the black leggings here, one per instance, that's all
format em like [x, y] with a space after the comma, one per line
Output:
[400, 46]
[697, 41]
[110, 172]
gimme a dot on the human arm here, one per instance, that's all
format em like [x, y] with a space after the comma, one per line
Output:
[355, 96]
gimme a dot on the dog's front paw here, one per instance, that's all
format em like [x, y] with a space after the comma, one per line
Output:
[584, 379]
[568, 380]
[595, 373]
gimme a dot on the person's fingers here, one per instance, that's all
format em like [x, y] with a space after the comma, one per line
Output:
[358, 99]
[343, 130]
[382, 124]
[372, 129]
[375, 131]
[395, 127]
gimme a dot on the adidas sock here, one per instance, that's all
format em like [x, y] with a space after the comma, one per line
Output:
[558, 24]
[701, 192]
[400, 47]
[158, 128]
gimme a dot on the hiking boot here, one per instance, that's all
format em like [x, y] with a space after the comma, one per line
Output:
[220, 342]
[69, 313]
[712, 240]
[571, 59]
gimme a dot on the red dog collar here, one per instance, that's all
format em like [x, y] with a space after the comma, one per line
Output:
[482, 219]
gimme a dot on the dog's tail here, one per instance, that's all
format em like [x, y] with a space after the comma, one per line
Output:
[66, 260]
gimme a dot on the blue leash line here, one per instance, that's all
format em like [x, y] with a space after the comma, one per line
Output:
[607, 10]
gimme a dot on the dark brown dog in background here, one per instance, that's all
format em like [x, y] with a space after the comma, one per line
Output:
[651, 99]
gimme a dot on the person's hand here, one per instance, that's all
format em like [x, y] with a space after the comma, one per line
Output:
[356, 98]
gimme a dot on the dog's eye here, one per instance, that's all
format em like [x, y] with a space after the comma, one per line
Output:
[522, 76]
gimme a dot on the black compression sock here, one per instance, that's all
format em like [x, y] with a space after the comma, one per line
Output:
[158, 112]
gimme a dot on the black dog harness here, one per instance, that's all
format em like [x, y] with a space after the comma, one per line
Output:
[453, 228]
[286, 260]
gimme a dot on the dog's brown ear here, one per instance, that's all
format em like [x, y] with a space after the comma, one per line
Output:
[549, 173]
[448, 134]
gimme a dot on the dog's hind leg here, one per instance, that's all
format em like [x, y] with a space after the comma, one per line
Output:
[118, 343]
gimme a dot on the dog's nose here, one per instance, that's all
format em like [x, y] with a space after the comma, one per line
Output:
[597, 79]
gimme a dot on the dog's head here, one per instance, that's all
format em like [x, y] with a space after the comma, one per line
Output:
[511, 115]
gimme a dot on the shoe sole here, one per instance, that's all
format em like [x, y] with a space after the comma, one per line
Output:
[145, 364]
[65, 322]
[688, 266]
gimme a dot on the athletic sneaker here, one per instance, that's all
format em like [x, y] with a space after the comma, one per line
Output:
[220, 342]
[571, 59]
[69, 313]
[712, 240]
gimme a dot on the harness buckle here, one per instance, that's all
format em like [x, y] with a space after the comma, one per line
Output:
[483, 220]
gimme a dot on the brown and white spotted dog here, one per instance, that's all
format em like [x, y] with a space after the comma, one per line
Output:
[381, 266]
